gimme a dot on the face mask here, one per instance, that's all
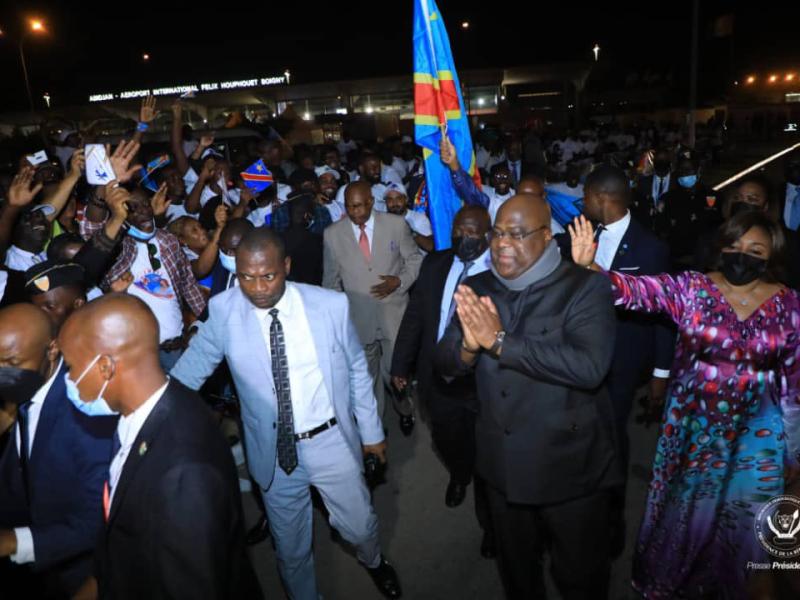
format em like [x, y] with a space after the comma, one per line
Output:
[19, 385]
[687, 181]
[738, 208]
[93, 408]
[740, 268]
[468, 248]
[229, 262]
[138, 234]
[661, 168]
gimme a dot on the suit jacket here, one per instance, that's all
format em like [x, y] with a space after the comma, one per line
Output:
[394, 252]
[305, 249]
[544, 430]
[232, 332]
[62, 504]
[175, 528]
[219, 279]
[643, 207]
[416, 340]
[643, 342]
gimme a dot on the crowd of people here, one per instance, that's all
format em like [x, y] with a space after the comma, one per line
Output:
[139, 315]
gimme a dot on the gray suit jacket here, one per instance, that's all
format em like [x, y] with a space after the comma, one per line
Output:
[394, 252]
[232, 332]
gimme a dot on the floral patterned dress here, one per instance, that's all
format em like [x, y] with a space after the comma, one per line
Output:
[731, 424]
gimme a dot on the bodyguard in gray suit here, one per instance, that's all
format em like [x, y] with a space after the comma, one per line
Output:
[372, 257]
[307, 406]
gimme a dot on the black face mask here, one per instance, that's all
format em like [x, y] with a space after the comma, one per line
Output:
[738, 208]
[661, 167]
[740, 268]
[468, 248]
[19, 385]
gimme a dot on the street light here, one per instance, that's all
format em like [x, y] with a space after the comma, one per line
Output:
[596, 51]
[465, 25]
[145, 56]
[34, 26]
[47, 99]
[773, 78]
[751, 80]
[288, 76]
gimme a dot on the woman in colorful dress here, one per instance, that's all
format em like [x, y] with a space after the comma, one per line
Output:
[730, 435]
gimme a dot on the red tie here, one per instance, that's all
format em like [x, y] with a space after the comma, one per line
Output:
[363, 242]
[106, 501]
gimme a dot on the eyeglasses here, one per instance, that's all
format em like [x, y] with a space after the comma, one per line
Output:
[152, 251]
[495, 235]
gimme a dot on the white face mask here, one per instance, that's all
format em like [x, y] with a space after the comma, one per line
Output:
[92, 408]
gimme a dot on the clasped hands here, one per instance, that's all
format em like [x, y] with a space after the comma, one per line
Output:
[479, 318]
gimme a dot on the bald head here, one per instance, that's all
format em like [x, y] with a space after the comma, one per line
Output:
[531, 185]
[520, 234]
[26, 333]
[531, 208]
[111, 347]
[232, 234]
[358, 201]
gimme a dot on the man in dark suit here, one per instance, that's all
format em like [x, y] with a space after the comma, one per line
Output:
[53, 468]
[171, 502]
[644, 344]
[646, 200]
[302, 244]
[452, 404]
[539, 334]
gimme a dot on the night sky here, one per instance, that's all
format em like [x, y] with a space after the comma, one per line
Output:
[98, 47]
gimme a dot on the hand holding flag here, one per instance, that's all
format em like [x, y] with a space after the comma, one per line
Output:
[257, 177]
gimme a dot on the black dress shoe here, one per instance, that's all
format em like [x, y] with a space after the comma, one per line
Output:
[385, 579]
[488, 549]
[258, 533]
[407, 424]
[456, 492]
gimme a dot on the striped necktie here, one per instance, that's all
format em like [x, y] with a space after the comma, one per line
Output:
[287, 451]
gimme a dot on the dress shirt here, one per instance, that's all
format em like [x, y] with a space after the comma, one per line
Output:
[128, 429]
[311, 405]
[22, 260]
[657, 183]
[25, 551]
[480, 265]
[370, 227]
[792, 203]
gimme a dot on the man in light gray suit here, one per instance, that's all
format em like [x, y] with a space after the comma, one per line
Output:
[372, 257]
[307, 406]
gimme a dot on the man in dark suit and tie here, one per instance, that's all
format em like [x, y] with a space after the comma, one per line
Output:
[644, 344]
[539, 334]
[646, 201]
[53, 468]
[171, 502]
[452, 403]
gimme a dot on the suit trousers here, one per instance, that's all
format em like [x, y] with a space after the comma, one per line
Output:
[379, 364]
[325, 462]
[576, 534]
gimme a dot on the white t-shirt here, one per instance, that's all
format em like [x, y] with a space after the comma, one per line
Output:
[378, 191]
[418, 222]
[176, 211]
[336, 209]
[155, 289]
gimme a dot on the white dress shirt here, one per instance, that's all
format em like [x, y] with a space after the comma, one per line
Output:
[369, 228]
[657, 183]
[25, 551]
[792, 203]
[311, 405]
[496, 200]
[128, 429]
[480, 265]
[22, 260]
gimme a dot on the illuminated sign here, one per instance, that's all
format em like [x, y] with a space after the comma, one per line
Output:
[179, 90]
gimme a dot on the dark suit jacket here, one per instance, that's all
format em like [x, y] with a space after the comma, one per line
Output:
[643, 207]
[544, 432]
[416, 339]
[175, 526]
[63, 503]
[219, 279]
[305, 249]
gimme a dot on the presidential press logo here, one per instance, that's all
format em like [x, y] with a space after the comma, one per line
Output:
[777, 526]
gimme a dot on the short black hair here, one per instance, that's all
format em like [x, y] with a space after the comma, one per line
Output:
[56, 251]
[301, 176]
[607, 178]
[499, 167]
[735, 227]
[259, 238]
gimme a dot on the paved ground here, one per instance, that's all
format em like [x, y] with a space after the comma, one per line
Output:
[434, 548]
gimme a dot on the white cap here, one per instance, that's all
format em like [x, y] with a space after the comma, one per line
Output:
[326, 169]
[62, 137]
[396, 187]
[47, 209]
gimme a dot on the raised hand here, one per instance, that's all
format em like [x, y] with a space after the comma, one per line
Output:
[22, 192]
[221, 216]
[584, 247]
[117, 201]
[77, 164]
[121, 160]
[448, 153]
[177, 110]
[209, 168]
[148, 112]
[206, 140]
[159, 202]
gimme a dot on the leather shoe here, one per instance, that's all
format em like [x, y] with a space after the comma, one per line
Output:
[385, 579]
[456, 492]
[258, 533]
[407, 424]
[488, 549]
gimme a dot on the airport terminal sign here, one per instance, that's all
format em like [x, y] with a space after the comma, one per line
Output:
[190, 90]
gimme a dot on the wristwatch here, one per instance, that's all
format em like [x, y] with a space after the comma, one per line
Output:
[499, 336]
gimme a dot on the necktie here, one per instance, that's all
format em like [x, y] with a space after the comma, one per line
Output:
[287, 452]
[363, 242]
[464, 273]
[230, 281]
[660, 189]
[115, 447]
[598, 232]
[22, 425]
[794, 216]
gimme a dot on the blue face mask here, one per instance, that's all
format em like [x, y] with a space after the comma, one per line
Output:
[229, 262]
[138, 234]
[93, 408]
[687, 181]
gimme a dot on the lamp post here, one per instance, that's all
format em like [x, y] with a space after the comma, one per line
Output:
[34, 26]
